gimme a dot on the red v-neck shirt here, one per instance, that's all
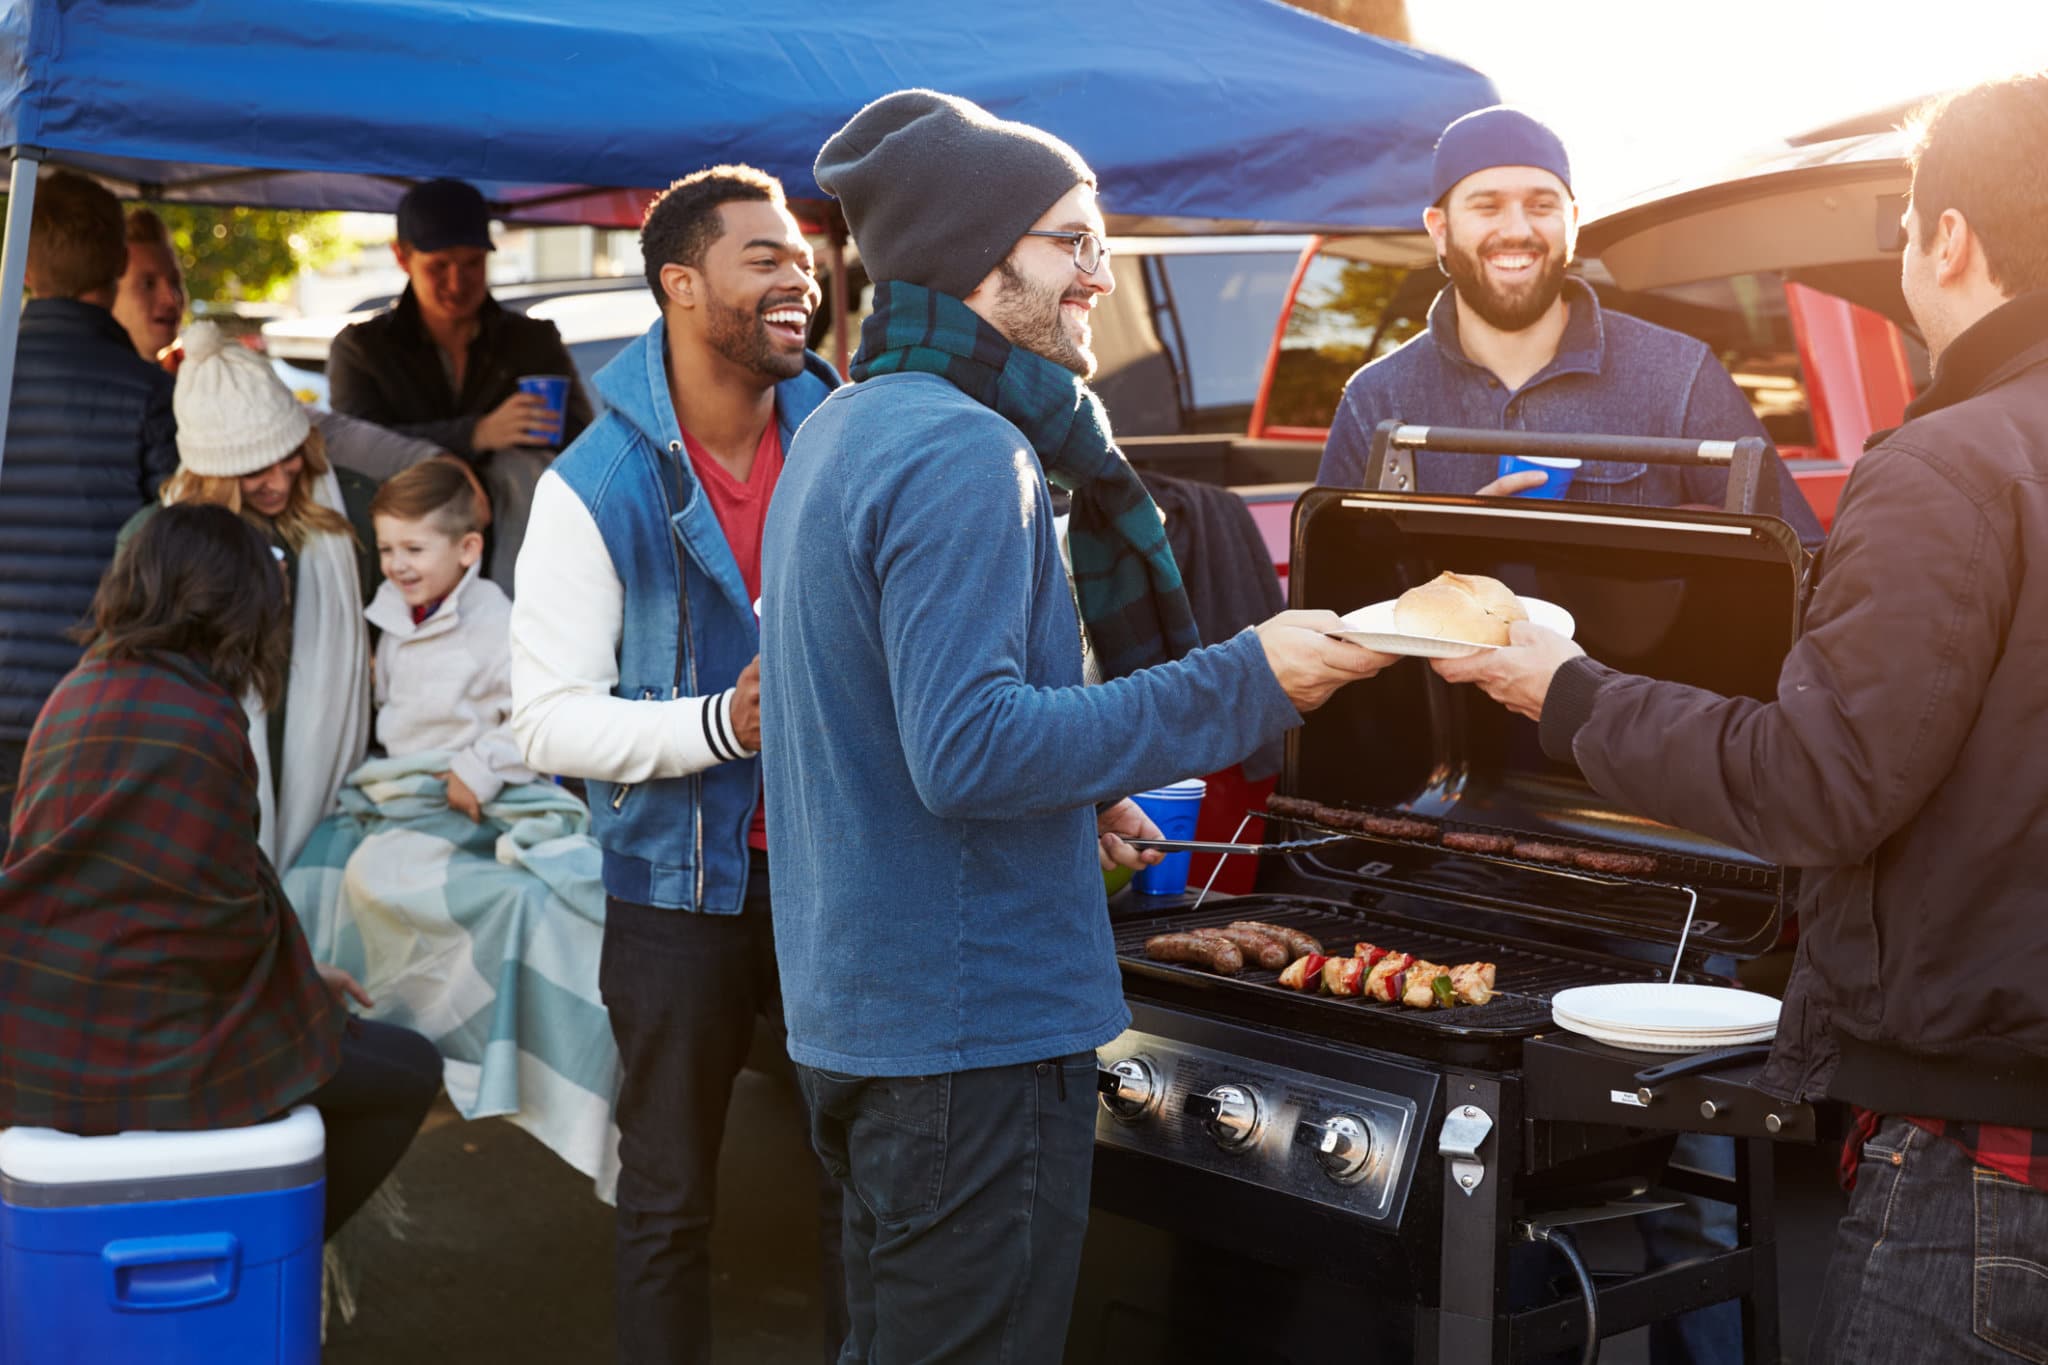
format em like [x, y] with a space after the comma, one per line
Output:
[742, 511]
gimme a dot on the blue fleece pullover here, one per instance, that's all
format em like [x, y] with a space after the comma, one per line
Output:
[932, 757]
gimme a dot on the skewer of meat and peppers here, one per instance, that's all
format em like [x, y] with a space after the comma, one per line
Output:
[1370, 972]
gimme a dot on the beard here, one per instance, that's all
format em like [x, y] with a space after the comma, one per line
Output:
[740, 334]
[1509, 309]
[1028, 314]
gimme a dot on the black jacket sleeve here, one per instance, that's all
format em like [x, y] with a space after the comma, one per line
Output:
[1873, 704]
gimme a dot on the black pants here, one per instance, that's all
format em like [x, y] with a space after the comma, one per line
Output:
[371, 1108]
[684, 991]
[968, 1205]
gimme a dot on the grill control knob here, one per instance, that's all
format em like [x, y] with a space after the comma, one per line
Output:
[1230, 1113]
[1129, 1088]
[1342, 1144]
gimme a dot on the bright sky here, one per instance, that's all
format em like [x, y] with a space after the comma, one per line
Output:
[1645, 91]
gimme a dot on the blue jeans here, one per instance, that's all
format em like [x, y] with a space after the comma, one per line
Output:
[1938, 1259]
[967, 1204]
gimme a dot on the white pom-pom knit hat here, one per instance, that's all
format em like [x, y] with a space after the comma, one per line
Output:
[235, 417]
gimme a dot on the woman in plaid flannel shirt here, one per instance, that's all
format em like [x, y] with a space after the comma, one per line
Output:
[152, 973]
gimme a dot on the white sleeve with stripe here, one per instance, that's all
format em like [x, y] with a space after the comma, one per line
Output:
[566, 624]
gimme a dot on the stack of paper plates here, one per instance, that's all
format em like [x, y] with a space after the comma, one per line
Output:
[1653, 1016]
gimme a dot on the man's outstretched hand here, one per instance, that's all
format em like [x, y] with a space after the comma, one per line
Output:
[1518, 674]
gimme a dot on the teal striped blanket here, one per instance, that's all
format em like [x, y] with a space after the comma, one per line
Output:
[484, 937]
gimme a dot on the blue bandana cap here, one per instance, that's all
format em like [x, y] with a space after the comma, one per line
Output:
[1498, 136]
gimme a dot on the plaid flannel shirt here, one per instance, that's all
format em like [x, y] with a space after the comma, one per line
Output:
[2019, 1153]
[152, 973]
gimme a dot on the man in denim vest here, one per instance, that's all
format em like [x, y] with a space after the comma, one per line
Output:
[1515, 344]
[634, 666]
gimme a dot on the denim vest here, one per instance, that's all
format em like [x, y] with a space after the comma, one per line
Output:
[681, 842]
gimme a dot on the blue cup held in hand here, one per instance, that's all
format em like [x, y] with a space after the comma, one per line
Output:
[552, 389]
[1557, 469]
[1173, 809]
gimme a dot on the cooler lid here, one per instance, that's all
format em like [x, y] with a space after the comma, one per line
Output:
[1707, 598]
[43, 1157]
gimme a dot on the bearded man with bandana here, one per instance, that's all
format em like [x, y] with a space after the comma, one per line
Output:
[1516, 344]
[943, 786]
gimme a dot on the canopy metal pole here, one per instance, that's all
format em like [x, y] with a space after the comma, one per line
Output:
[21, 202]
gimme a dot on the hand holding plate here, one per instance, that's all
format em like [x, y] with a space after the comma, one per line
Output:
[1517, 675]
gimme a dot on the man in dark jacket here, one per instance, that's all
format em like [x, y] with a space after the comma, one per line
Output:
[90, 439]
[1899, 768]
[444, 363]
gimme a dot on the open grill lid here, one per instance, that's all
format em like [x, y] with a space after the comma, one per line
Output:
[1706, 598]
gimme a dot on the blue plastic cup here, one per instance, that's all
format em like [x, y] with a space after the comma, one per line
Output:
[1173, 809]
[1557, 469]
[553, 389]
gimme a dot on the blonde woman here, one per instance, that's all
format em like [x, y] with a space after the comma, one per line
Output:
[245, 443]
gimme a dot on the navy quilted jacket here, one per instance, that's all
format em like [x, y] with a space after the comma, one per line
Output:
[89, 439]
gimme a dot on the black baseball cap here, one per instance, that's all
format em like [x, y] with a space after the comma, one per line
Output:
[438, 214]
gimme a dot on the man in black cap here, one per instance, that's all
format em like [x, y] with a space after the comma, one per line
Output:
[1515, 344]
[444, 362]
[943, 789]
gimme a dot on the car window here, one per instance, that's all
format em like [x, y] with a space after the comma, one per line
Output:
[1744, 321]
[1346, 314]
[1181, 344]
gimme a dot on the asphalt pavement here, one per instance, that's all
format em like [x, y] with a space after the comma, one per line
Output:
[506, 1253]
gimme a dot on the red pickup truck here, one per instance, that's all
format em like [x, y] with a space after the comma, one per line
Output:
[1223, 358]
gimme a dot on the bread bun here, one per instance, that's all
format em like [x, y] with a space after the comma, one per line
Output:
[1469, 608]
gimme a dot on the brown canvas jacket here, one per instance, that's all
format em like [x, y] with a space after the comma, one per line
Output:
[1904, 762]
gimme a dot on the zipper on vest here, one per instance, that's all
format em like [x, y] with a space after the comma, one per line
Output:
[686, 663]
[620, 793]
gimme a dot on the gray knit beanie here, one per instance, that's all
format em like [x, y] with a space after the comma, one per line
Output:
[937, 190]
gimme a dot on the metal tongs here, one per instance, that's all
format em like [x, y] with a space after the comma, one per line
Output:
[1204, 846]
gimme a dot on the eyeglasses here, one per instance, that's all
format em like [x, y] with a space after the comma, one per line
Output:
[1090, 251]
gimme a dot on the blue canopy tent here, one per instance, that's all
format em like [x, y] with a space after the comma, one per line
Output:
[1198, 115]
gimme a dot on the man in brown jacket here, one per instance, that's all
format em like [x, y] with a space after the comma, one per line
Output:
[1901, 766]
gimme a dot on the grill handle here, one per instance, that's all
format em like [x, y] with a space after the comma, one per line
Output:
[1391, 465]
[1704, 1061]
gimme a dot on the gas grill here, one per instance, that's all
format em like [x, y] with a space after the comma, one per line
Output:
[1288, 1177]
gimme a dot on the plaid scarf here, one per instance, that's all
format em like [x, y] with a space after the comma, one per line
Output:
[1129, 587]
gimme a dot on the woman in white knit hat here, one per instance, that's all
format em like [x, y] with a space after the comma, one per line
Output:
[245, 443]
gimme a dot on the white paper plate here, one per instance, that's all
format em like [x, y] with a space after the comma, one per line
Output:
[1707, 1036]
[1373, 627]
[1671, 1010]
[1644, 1042]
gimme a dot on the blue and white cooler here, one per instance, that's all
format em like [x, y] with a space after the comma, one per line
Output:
[170, 1248]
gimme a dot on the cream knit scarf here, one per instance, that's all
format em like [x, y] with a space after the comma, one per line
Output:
[327, 700]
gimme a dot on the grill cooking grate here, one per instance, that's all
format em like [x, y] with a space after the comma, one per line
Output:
[1527, 978]
[1673, 869]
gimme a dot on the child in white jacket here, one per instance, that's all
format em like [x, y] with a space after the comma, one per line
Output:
[443, 665]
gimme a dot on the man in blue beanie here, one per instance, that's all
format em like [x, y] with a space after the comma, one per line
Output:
[1516, 344]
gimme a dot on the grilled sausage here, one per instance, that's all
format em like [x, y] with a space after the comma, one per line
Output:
[1398, 827]
[1538, 852]
[1256, 945]
[1466, 842]
[1218, 955]
[1291, 807]
[1337, 817]
[1615, 863]
[1296, 942]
